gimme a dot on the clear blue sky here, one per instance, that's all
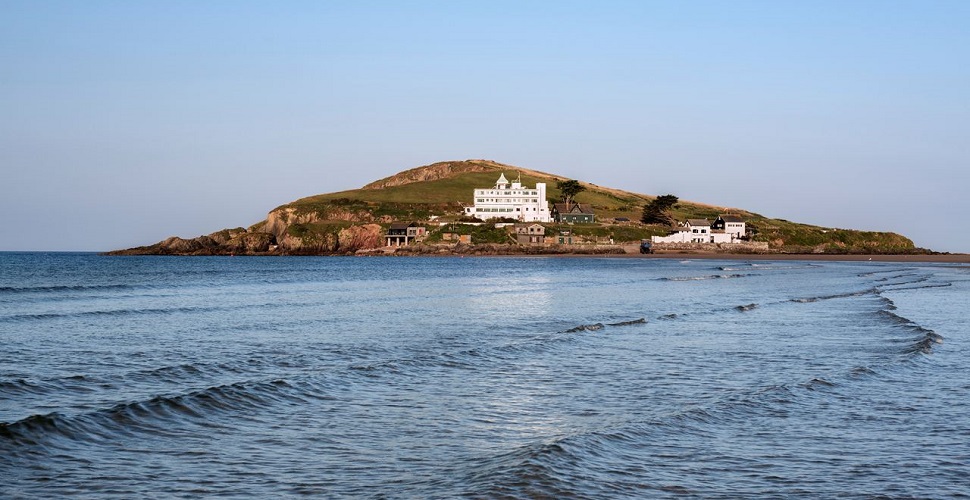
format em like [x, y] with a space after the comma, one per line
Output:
[124, 122]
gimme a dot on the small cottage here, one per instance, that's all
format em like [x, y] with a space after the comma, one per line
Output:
[530, 234]
[565, 238]
[700, 230]
[570, 213]
[730, 224]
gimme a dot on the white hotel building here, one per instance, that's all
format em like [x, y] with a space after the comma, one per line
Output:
[511, 200]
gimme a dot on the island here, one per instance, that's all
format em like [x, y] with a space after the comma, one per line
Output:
[482, 207]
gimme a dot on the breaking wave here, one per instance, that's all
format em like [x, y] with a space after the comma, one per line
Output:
[804, 300]
[599, 326]
[154, 415]
[704, 278]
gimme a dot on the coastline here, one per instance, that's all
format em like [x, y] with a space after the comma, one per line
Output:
[616, 252]
[632, 252]
[927, 258]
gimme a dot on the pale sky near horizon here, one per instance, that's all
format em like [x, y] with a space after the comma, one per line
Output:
[125, 122]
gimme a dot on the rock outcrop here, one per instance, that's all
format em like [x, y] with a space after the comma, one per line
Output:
[366, 237]
[250, 242]
[236, 241]
[435, 171]
[280, 219]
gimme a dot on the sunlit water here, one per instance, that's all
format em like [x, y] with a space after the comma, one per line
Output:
[482, 377]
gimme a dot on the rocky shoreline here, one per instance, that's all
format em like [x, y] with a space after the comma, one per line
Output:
[204, 247]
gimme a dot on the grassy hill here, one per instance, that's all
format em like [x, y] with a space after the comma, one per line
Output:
[443, 189]
[463, 177]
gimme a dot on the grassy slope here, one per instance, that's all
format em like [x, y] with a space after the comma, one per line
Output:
[459, 189]
[445, 197]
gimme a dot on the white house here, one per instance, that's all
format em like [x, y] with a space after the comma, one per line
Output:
[702, 231]
[511, 200]
[730, 224]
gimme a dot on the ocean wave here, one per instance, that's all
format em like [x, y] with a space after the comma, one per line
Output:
[778, 267]
[924, 339]
[884, 271]
[818, 383]
[78, 384]
[639, 321]
[599, 326]
[703, 278]
[582, 463]
[21, 386]
[923, 287]
[860, 371]
[887, 303]
[174, 373]
[117, 313]
[925, 343]
[859, 293]
[922, 279]
[894, 277]
[585, 328]
[531, 471]
[476, 357]
[468, 359]
[62, 288]
[155, 415]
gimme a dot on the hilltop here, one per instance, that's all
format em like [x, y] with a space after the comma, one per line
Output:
[355, 220]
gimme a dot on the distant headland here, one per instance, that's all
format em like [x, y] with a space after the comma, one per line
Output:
[481, 207]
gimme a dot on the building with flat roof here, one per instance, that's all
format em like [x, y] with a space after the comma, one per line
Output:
[512, 200]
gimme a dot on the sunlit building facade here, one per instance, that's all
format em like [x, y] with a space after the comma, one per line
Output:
[511, 200]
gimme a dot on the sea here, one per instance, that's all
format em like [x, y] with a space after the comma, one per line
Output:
[490, 377]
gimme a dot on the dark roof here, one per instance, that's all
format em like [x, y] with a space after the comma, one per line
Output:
[731, 218]
[402, 225]
[698, 222]
[575, 208]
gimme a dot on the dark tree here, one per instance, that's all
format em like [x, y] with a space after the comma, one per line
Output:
[656, 212]
[569, 189]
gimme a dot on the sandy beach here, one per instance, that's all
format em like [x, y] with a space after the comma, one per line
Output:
[934, 258]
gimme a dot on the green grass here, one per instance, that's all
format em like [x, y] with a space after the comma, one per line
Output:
[459, 190]
[793, 236]
[486, 233]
